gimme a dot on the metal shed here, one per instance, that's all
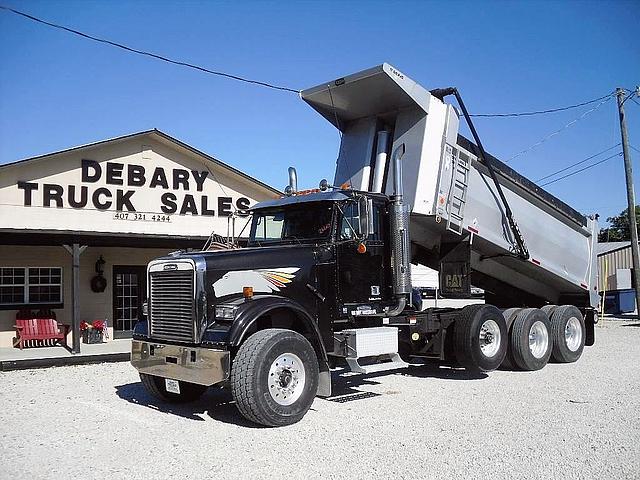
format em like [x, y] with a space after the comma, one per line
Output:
[612, 256]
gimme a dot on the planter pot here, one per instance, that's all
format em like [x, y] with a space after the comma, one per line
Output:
[92, 336]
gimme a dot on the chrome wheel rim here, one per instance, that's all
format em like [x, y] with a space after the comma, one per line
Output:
[490, 338]
[573, 334]
[538, 339]
[286, 379]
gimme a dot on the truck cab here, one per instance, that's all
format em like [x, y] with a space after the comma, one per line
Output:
[351, 249]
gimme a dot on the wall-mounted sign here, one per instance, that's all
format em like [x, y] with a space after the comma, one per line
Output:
[144, 184]
[176, 181]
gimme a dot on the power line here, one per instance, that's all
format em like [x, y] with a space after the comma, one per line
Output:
[540, 112]
[581, 170]
[560, 130]
[258, 82]
[630, 96]
[149, 54]
[577, 163]
[635, 148]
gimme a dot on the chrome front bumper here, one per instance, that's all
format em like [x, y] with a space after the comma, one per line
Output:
[189, 364]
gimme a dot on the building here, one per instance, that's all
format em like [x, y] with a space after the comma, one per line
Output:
[79, 226]
[615, 265]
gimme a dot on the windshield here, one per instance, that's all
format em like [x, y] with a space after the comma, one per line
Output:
[294, 223]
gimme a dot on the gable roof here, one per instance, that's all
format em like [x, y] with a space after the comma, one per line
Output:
[158, 135]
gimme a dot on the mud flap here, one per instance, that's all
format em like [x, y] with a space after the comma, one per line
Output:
[590, 319]
[455, 270]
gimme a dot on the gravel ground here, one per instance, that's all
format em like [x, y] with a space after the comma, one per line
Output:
[565, 421]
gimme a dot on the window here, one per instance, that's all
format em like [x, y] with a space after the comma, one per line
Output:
[292, 224]
[269, 227]
[45, 285]
[12, 285]
[350, 224]
[30, 286]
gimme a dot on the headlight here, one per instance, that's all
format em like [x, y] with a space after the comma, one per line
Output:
[225, 312]
[145, 309]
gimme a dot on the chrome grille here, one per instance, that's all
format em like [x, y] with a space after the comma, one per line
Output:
[171, 305]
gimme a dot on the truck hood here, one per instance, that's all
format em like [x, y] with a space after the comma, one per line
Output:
[267, 270]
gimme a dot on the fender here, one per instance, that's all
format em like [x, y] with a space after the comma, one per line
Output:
[248, 313]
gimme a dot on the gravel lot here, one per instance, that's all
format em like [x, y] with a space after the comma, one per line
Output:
[565, 421]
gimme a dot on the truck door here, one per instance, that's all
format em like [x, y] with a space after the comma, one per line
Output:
[361, 276]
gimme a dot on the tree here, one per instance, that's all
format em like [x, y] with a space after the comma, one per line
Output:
[618, 230]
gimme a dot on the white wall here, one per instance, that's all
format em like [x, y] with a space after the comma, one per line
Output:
[93, 306]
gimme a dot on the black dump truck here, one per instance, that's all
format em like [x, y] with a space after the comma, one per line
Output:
[325, 278]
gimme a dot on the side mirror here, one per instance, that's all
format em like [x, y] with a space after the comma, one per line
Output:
[365, 216]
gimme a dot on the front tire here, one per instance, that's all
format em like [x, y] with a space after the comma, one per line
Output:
[568, 333]
[274, 377]
[480, 338]
[156, 387]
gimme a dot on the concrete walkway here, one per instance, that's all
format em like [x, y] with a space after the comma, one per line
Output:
[38, 357]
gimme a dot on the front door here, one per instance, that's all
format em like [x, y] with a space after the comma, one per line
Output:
[129, 291]
[361, 276]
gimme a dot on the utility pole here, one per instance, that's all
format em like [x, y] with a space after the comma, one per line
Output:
[631, 197]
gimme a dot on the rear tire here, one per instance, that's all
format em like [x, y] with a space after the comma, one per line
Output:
[274, 377]
[548, 310]
[156, 387]
[509, 315]
[530, 339]
[568, 334]
[480, 338]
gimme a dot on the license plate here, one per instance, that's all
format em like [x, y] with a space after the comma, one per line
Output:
[172, 386]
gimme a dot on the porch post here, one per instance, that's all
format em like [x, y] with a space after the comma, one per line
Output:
[75, 251]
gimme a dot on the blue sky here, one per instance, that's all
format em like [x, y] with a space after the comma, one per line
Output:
[58, 90]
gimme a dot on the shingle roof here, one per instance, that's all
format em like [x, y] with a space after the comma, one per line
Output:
[158, 133]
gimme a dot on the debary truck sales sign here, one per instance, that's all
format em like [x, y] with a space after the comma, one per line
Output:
[126, 188]
[118, 174]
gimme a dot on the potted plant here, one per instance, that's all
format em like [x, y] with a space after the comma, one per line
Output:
[93, 332]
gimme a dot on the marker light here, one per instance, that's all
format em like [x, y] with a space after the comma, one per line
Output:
[247, 293]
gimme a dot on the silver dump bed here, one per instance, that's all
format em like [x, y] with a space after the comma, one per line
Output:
[451, 194]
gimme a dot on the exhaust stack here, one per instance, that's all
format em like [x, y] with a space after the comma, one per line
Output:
[400, 260]
[381, 161]
[293, 182]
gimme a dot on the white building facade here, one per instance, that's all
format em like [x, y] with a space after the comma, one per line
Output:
[110, 206]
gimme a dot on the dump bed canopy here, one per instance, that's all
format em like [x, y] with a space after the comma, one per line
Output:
[375, 91]
[383, 89]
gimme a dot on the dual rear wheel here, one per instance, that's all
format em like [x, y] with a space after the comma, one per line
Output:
[518, 338]
[538, 335]
[530, 339]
